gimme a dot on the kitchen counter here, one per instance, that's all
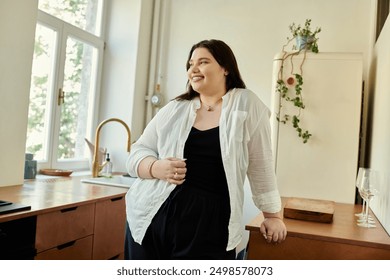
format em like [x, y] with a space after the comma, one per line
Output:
[340, 240]
[68, 220]
[48, 193]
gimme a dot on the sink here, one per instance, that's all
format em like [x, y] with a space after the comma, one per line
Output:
[122, 181]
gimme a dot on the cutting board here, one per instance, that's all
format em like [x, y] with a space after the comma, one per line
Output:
[314, 210]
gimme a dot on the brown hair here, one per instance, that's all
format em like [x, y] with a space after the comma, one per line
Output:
[223, 54]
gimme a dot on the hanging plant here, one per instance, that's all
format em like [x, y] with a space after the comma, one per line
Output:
[306, 40]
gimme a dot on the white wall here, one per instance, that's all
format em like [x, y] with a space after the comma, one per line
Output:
[17, 31]
[256, 30]
[379, 119]
[125, 75]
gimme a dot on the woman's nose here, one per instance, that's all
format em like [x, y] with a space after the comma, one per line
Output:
[194, 69]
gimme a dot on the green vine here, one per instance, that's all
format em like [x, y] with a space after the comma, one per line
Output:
[297, 101]
[284, 91]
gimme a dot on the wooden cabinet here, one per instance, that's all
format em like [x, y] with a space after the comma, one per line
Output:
[59, 230]
[109, 230]
[340, 240]
[80, 249]
[90, 231]
[69, 220]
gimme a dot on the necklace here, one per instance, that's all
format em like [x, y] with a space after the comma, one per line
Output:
[210, 108]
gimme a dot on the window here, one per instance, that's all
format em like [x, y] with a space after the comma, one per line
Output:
[65, 82]
[84, 14]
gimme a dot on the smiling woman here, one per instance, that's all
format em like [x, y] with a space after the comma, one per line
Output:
[192, 161]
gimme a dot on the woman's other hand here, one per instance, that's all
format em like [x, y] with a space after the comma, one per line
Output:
[273, 229]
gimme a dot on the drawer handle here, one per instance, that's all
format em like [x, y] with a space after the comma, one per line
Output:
[117, 198]
[66, 245]
[68, 209]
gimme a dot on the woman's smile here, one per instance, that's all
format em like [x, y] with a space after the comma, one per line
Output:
[196, 78]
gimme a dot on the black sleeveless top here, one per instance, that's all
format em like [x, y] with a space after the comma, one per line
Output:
[204, 162]
[193, 221]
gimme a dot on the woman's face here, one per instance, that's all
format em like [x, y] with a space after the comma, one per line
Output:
[205, 74]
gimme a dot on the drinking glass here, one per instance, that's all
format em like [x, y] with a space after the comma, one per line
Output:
[368, 188]
[360, 215]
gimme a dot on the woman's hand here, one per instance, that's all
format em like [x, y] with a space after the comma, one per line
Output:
[273, 229]
[170, 169]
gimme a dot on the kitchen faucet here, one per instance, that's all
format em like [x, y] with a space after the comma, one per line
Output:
[96, 167]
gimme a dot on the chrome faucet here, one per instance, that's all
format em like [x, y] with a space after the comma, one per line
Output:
[96, 167]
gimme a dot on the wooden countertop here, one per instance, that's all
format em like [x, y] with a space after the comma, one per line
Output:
[48, 193]
[343, 229]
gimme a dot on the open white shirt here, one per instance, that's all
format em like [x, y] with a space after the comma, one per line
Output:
[244, 132]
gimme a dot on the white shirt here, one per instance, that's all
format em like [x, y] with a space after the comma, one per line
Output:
[244, 132]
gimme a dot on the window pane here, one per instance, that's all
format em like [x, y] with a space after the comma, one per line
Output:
[79, 86]
[40, 92]
[84, 14]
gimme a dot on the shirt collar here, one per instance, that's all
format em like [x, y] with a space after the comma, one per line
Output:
[196, 103]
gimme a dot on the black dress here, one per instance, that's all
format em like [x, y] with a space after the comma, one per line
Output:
[193, 222]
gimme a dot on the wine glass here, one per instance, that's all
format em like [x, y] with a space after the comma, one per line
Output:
[359, 179]
[362, 214]
[368, 188]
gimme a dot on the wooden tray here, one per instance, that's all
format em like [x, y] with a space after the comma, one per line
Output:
[314, 210]
[55, 172]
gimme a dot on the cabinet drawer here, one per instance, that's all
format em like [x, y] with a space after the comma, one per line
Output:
[80, 249]
[110, 221]
[65, 225]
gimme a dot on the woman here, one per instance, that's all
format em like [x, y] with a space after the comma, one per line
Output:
[192, 161]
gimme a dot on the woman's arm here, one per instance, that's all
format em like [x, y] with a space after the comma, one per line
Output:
[262, 178]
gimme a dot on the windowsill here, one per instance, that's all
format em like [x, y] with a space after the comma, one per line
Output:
[77, 173]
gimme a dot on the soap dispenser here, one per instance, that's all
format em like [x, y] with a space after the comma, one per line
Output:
[107, 167]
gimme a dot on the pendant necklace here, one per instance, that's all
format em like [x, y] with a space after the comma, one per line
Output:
[210, 108]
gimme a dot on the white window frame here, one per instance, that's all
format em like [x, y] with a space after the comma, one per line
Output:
[65, 30]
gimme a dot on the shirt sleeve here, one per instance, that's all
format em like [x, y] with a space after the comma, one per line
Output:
[261, 173]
